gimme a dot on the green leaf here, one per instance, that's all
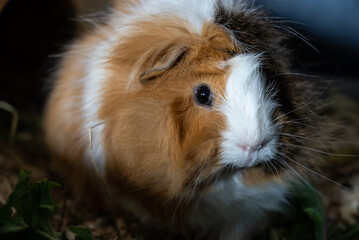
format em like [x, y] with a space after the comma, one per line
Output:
[35, 208]
[317, 218]
[302, 219]
[5, 213]
[44, 208]
[19, 198]
[311, 204]
[17, 225]
[81, 233]
[47, 236]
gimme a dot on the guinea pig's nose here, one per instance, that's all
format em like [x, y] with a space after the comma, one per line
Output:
[247, 148]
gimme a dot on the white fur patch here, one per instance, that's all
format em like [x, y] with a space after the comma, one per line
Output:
[194, 12]
[233, 208]
[248, 107]
[93, 82]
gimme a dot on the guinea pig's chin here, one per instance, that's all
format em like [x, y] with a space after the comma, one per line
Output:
[236, 157]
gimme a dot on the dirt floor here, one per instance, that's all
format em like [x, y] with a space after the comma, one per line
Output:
[28, 152]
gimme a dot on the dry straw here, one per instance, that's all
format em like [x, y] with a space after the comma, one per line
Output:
[15, 118]
[103, 183]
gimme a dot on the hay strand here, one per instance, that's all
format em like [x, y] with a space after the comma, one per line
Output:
[15, 119]
[103, 183]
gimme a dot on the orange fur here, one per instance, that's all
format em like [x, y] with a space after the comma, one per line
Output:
[164, 161]
[157, 140]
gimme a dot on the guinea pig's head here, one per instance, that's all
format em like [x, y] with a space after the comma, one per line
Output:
[199, 104]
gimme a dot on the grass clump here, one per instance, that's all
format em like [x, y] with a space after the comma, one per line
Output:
[29, 210]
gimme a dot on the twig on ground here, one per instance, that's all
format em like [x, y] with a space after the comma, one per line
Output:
[8, 190]
[15, 116]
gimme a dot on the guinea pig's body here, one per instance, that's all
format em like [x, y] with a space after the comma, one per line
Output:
[193, 116]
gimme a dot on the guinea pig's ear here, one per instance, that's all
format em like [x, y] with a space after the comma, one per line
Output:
[161, 62]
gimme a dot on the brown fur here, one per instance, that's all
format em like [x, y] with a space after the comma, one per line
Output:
[161, 147]
[177, 137]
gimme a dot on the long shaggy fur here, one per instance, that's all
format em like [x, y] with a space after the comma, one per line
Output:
[132, 80]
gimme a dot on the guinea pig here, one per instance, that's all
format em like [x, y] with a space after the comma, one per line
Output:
[190, 113]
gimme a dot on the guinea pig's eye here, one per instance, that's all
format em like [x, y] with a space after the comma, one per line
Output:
[203, 95]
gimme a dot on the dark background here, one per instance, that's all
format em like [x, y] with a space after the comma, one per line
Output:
[332, 28]
[33, 32]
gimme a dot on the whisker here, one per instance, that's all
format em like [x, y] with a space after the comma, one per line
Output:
[295, 122]
[295, 74]
[275, 169]
[282, 20]
[293, 172]
[308, 118]
[298, 136]
[319, 151]
[294, 22]
[300, 36]
[302, 181]
[306, 104]
[314, 172]
[268, 167]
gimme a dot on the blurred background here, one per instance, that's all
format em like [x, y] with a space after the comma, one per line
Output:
[325, 39]
[327, 33]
